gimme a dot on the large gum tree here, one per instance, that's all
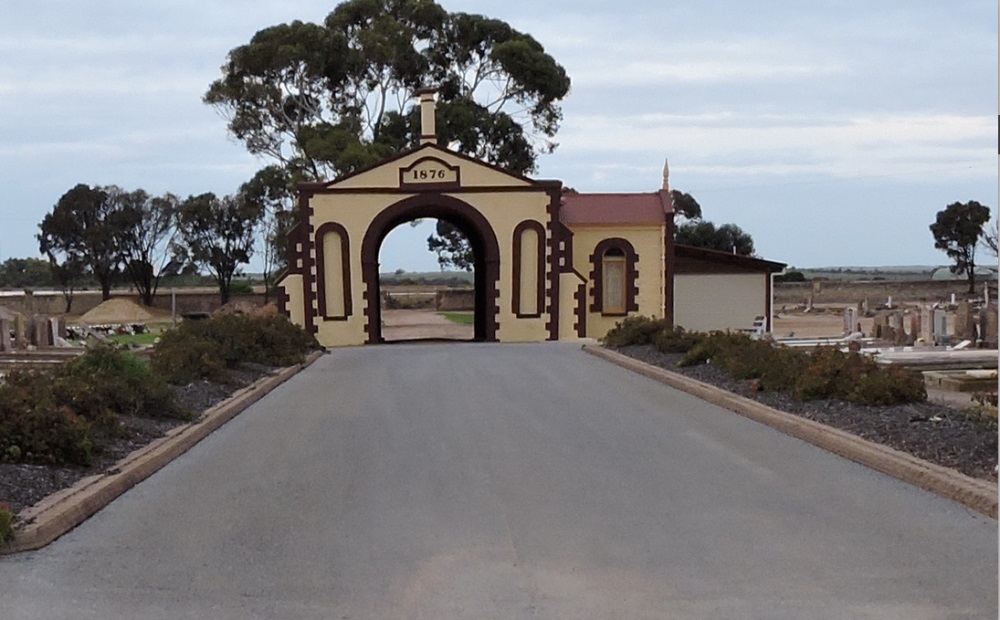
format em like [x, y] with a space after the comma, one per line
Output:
[324, 100]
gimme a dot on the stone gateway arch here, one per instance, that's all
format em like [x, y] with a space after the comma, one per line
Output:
[550, 263]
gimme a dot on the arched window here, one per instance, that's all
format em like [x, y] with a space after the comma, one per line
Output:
[614, 278]
[333, 271]
[528, 270]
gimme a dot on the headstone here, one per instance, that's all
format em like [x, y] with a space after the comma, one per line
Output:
[53, 334]
[865, 306]
[963, 321]
[939, 327]
[20, 331]
[927, 324]
[914, 330]
[990, 331]
[38, 330]
[5, 343]
[850, 319]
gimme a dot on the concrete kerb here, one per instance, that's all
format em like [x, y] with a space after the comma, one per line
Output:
[979, 495]
[60, 512]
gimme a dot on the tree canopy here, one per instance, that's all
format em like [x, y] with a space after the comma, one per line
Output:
[725, 238]
[218, 234]
[80, 232]
[957, 230]
[324, 100]
[144, 230]
[25, 273]
[327, 99]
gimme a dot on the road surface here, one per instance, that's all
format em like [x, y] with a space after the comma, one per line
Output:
[447, 481]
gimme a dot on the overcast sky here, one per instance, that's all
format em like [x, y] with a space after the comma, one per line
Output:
[831, 131]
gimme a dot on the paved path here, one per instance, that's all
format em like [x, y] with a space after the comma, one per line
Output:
[516, 481]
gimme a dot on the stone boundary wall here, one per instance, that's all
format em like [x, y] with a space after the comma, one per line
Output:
[188, 300]
[832, 291]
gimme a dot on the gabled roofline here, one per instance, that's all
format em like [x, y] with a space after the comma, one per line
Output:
[320, 186]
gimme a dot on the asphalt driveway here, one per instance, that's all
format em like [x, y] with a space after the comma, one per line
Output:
[507, 481]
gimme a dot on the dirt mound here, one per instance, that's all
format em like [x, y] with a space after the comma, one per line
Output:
[114, 311]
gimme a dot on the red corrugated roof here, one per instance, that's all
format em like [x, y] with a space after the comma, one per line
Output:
[613, 208]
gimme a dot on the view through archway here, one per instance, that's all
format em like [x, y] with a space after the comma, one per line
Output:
[422, 295]
[482, 241]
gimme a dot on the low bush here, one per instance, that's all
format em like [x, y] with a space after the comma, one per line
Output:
[634, 330]
[824, 373]
[107, 379]
[676, 340]
[62, 416]
[206, 349]
[182, 357]
[34, 427]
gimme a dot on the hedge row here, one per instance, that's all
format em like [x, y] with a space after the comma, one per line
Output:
[822, 373]
[63, 416]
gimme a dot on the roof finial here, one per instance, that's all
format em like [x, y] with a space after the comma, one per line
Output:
[666, 175]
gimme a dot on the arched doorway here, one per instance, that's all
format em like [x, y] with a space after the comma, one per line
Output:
[463, 216]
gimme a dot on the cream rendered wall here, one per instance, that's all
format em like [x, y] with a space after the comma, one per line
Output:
[648, 244]
[291, 284]
[568, 283]
[505, 210]
[472, 174]
[706, 302]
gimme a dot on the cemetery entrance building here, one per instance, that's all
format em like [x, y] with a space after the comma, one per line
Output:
[550, 263]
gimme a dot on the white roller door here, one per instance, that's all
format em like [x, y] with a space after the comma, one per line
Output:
[705, 302]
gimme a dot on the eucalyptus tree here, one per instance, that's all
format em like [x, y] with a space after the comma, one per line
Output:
[323, 100]
[79, 233]
[957, 230]
[144, 228]
[218, 234]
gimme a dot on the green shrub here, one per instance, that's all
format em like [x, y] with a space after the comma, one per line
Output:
[824, 373]
[6, 522]
[634, 330]
[676, 340]
[781, 369]
[182, 357]
[106, 379]
[852, 377]
[205, 349]
[889, 386]
[713, 346]
[34, 427]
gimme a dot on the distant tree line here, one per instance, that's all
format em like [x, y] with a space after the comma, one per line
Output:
[106, 235]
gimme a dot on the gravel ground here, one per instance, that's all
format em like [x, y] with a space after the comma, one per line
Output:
[23, 485]
[937, 433]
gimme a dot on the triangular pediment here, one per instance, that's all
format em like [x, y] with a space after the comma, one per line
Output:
[428, 168]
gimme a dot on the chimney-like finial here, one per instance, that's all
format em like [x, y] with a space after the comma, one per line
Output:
[666, 175]
[428, 128]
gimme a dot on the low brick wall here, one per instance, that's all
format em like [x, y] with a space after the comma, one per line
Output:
[455, 300]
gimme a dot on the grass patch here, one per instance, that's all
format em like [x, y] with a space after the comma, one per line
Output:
[459, 318]
[147, 340]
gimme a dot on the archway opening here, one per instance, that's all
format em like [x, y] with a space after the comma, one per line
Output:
[427, 283]
[485, 259]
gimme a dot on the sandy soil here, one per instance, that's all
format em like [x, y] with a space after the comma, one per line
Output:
[400, 325]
